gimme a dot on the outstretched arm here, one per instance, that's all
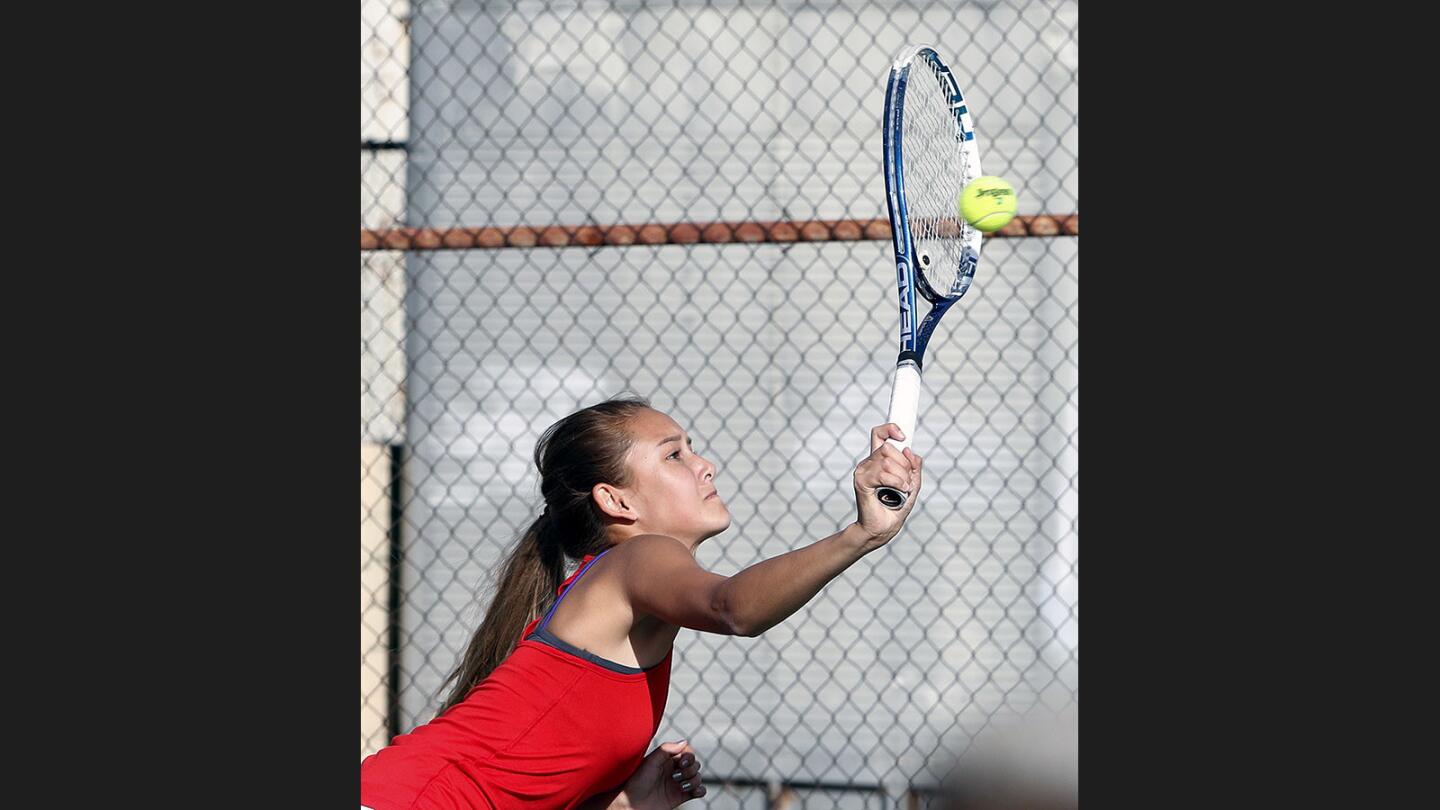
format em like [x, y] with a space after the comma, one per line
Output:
[662, 579]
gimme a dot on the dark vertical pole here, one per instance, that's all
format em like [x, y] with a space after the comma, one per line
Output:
[392, 690]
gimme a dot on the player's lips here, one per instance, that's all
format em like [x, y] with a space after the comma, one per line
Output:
[714, 494]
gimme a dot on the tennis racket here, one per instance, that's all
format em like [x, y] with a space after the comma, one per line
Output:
[930, 156]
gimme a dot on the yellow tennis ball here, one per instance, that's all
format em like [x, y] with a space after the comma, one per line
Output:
[988, 203]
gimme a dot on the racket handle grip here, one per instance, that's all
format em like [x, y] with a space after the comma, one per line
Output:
[904, 406]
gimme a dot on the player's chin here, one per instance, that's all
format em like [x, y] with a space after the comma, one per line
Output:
[721, 521]
[714, 530]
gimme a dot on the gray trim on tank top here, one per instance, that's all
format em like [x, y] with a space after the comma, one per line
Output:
[551, 640]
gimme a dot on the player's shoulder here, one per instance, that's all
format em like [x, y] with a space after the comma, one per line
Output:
[644, 550]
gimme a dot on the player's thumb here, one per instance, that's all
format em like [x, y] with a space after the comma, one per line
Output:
[672, 748]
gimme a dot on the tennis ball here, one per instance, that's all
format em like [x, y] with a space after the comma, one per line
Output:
[988, 203]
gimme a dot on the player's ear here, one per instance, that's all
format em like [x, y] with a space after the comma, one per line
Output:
[613, 501]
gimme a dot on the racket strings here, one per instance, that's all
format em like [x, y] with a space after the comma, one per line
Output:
[936, 170]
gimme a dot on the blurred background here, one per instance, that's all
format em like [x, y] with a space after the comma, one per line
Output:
[511, 157]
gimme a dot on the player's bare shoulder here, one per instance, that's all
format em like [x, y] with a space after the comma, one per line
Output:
[651, 547]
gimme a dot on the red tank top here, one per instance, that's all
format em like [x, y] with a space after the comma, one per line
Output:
[549, 728]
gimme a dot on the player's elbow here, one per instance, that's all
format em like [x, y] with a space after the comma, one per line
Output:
[748, 630]
[742, 627]
[731, 618]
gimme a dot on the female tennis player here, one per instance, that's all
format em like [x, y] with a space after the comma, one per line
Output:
[555, 707]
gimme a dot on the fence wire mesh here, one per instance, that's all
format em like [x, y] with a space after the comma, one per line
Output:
[776, 356]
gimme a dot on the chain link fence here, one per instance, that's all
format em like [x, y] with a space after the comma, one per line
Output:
[511, 131]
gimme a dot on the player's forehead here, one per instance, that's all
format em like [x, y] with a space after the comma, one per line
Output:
[649, 426]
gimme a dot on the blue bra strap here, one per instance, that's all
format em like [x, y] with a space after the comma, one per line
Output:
[546, 620]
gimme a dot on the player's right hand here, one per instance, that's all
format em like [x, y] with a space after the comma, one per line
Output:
[885, 466]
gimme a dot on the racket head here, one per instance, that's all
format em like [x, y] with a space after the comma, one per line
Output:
[930, 154]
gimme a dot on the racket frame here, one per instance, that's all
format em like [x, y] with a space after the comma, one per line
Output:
[905, 389]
